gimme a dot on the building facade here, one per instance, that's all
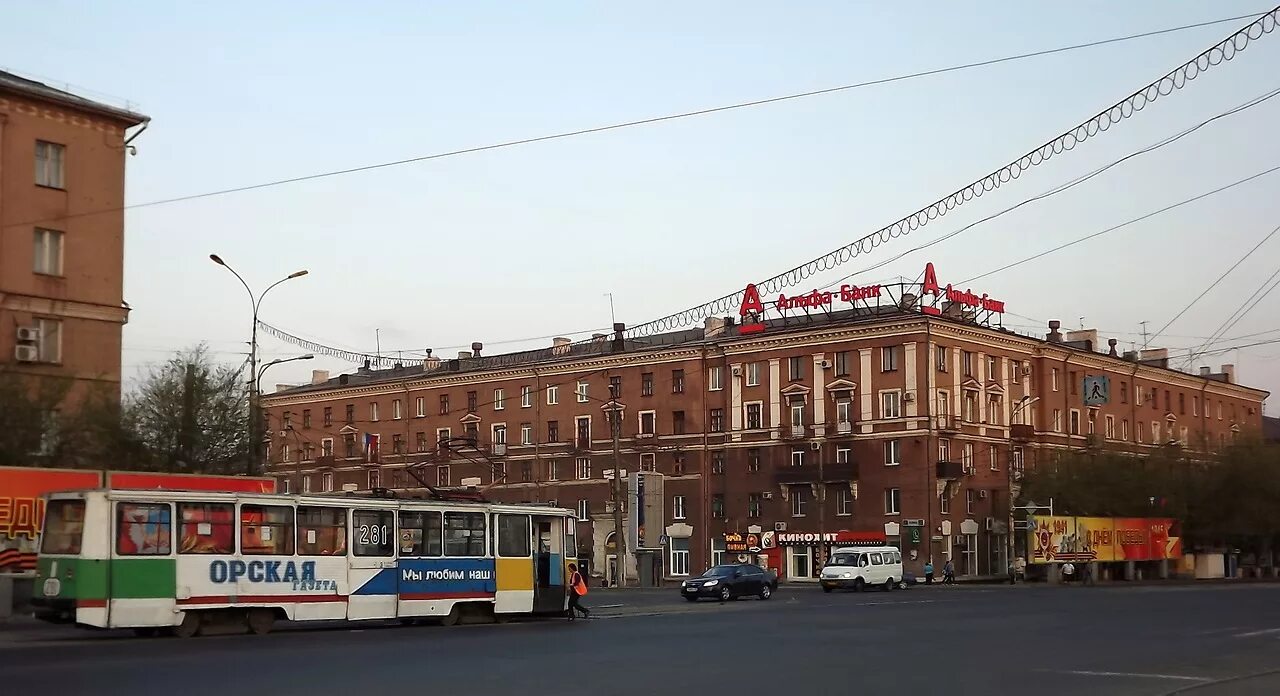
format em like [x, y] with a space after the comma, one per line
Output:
[886, 424]
[62, 174]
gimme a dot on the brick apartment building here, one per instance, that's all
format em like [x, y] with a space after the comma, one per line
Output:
[62, 172]
[870, 422]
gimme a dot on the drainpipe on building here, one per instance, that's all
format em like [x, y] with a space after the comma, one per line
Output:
[704, 471]
[930, 472]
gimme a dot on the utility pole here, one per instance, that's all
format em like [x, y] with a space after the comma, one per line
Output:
[187, 431]
[620, 537]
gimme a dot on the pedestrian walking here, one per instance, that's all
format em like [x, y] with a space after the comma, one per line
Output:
[1068, 571]
[577, 590]
[928, 573]
[948, 573]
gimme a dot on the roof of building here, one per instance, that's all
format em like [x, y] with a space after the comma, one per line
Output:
[21, 85]
[1271, 428]
[604, 345]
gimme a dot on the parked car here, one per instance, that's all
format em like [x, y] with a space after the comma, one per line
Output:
[857, 569]
[730, 581]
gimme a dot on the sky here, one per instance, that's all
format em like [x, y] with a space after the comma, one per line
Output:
[524, 242]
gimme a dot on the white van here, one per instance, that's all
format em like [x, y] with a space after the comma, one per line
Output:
[859, 567]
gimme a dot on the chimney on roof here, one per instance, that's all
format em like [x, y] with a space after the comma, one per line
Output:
[1111, 347]
[597, 337]
[344, 379]
[908, 301]
[712, 327]
[463, 354]
[319, 376]
[1131, 355]
[619, 342]
[1084, 338]
[476, 348]
[560, 346]
[365, 367]
[1054, 336]
[1156, 357]
[1230, 371]
[431, 363]
[1204, 371]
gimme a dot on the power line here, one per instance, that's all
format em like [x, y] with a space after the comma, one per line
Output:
[1245, 307]
[1227, 51]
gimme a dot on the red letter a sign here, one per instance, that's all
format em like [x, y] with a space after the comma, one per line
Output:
[751, 307]
[930, 284]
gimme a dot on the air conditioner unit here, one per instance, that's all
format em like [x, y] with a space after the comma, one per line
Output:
[26, 354]
[982, 494]
[815, 446]
[779, 526]
[28, 334]
[826, 364]
[736, 371]
[553, 503]
[908, 397]
[768, 495]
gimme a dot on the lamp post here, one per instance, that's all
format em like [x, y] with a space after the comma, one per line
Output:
[262, 370]
[255, 302]
[1014, 415]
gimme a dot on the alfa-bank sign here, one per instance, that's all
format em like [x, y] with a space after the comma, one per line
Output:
[753, 307]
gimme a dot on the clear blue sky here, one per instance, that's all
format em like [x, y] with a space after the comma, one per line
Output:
[525, 242]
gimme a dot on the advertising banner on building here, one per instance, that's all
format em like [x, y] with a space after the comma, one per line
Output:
[149, 481]
[644, 510]
[1061, 539]
[22, 510]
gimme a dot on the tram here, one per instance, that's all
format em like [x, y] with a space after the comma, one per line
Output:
[181, 561]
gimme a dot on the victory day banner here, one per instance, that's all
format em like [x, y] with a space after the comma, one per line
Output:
[1061, 539]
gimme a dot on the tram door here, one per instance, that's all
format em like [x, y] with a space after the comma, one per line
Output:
[549, 571]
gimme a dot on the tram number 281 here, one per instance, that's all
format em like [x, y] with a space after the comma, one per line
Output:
[373, 534]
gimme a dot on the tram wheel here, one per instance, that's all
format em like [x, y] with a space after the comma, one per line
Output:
[453, 618]
[192, 623]
[260, 621]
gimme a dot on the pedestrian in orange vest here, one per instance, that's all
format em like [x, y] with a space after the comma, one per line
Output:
[577, 590]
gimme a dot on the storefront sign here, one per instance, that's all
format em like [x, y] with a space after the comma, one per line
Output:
[830, 538]
[737, 542]
[966, 297]
[1103, 539]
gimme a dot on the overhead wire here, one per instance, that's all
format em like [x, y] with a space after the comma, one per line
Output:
[1245, 307]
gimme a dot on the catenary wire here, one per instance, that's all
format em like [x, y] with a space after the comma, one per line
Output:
[1245, 307]
[690, 114]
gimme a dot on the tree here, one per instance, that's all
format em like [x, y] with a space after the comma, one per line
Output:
[191, 415]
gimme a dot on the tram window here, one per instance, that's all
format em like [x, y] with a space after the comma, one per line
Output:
[570, 538]
[63, 527]
[374, 533]
[143, 529]
[420, 534]
[464, 534]
[266, 530]
[206, 528]
[513, 536]
[322, 531]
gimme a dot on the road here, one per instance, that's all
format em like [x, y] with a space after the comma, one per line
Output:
[1141, 641]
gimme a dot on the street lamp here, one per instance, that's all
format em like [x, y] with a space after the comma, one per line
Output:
[262, 370]
[1014, 415]
[256, 302]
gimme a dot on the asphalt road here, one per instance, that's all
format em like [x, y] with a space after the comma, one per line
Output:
[957, 640]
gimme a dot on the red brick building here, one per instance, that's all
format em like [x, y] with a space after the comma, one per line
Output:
[878, 421]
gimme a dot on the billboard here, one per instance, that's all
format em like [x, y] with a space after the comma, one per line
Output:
[1060, 539]
[150, 481]
[22, 510]
[645, 518]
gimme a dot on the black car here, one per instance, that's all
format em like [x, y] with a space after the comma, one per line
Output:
[725, 582]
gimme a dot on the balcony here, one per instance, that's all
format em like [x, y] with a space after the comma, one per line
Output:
[795, 431]
[844, 428]
[948, 423]
[1022, 432]
[813, 473]
[950, 470]
[499, 449]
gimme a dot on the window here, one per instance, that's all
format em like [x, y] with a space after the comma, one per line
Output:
[48, 252]
[944, 450]
[717, 506]
[797, 456]
[328, 416]
[648, 461]
[991, 367]
[1137, 395]
[1057, 420]
[421, 534]
[1124, 392]
[843, 361]
[966, 362]
[754, 421]
[444, 404]
[890, 404]
[892, 501]
[349, 445]
[1155, 399]
[679, 556]
[892, 452]
[1018, 459]
[646, 384]
[373, 411]
[1111, 427]
[888, 358]
[553, 395]
[844, 501]
[992, 453]
[717, 551]
[753, 505]
[993, 410]
[971, 406]
[553, 470]
[717, 462]
[1182, 404]
[677, 422]
[799, 500]
[322, 531]
[1074, 383]
[442, 475]
[844, 411]
[526, 472]
[396, 412]
[442, 435]
[266, 530]
[944, 504]
[968, 501]
[553, 431]
[1155, 432]
[942, 358]
[205, 528]
[1075, 422]
[420, 407]
[677, 381]
[615, 387]
[717, 420]
[499, 435]
[472, 401]
[514, 539]
[753, 374]
[326, 483]
[584, 509]
[842, 455]
[351, 414]
[797, 411]
[753, 460]
[648, 422]
[1195, 405]
[420, 442]
[795, 368]
[326, 447]
[1168, 402]
[526, 434]
[583, 424]
[966, 457]
[464, 534]
[678, 507]
[499, 399]
[582, 465]
[1053, 378]
[50, 159]
[397, 444]
[526, 396]
[1124, 429]
[143, 529]
[581, 391]
[1093, 421]
[49, 347]
[715, 378]
[306, 484]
